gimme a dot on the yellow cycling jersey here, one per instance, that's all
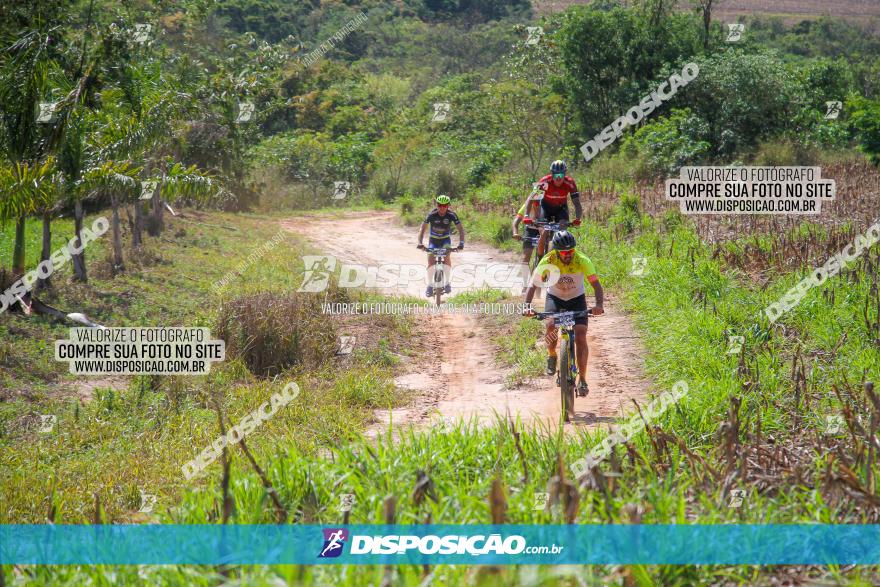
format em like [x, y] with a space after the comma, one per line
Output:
[532, 207]
[572, 277]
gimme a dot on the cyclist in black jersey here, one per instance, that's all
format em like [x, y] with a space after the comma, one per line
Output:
[440, 222]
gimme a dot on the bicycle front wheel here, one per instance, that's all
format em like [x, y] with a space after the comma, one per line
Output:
[439, 278]
[566, 385]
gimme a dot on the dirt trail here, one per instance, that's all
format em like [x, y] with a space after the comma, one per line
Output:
[454, 370]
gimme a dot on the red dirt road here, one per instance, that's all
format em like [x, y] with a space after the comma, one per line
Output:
[454, 370]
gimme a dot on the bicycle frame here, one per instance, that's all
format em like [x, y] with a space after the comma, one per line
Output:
[439, 254]
[566, 374]
[547, 229]
[532, 240]
[564, 322]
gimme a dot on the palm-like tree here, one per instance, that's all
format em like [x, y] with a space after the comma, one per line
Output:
[140, 131]
[142, 123]
[26, 69]
[31, 69]
[25, 187]
[115, 179]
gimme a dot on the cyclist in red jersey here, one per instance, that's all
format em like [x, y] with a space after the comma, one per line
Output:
[558, 187]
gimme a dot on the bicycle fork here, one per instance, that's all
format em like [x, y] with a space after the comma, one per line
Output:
[567, 338]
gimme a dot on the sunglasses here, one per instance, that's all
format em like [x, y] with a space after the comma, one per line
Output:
[558, 176]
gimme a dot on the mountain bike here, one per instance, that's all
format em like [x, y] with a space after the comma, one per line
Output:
[551, 228]
[533, 261]
[439, 254]
[566, 371]
[548, 228]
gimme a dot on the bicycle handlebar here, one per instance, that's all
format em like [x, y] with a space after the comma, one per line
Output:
[578, 314]
[543, 223]
[435, 250]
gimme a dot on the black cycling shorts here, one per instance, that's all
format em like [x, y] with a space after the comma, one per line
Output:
[578, 304]
[528, 235]
[554, 213]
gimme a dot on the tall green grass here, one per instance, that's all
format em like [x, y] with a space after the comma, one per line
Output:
[685, 306]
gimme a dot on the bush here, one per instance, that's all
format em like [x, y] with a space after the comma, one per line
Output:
[408, 213]
[784, 152]
[663, 146]
[499, 195]
[672, 219]
[748, 97]
[865, 124]
[448, 183]
[627, 214]
[271, 333]
[478, 173]
[406, 205]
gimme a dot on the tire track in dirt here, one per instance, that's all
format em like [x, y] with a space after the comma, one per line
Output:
[454, 371]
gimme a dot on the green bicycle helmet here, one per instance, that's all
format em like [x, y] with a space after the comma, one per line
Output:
[442, 200]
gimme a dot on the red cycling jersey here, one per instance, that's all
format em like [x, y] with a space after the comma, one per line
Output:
[558, 196]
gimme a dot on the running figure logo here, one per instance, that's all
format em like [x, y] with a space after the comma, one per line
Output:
[834, 107]
[318, 269]
[735, 31]
[441, 109]
[334, 540]
[535, 34]
[47, 112]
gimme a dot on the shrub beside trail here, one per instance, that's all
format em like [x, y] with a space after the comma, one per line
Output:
[271, 333]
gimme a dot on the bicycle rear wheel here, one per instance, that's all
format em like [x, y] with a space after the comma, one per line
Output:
[566, 385]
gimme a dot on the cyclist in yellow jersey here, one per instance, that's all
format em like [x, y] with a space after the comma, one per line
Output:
[531, 209]
[568, 293]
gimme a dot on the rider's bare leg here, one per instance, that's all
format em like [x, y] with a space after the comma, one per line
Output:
[526, 273]
[551, 337]
[582, 350]
[542, 244]
[429, 275]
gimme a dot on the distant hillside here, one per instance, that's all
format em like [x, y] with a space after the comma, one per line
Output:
[790, 11]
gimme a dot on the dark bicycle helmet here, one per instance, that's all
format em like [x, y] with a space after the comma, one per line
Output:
[564, 241]
[558, 166]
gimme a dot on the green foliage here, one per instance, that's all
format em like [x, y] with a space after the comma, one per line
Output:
[811, 38]
[668, 143]
[485, 160]
[478, 9]
[865, 124]
[610, 57]
[272, 20]
[519, 103]
[824, 79]
[499, 195]
[746, 97]
[627, 214]
[315, 159]
[783, 152]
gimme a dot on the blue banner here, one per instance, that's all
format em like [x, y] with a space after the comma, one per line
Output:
[796, 544]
